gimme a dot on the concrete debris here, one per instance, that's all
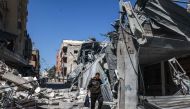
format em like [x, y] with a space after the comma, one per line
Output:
[17, 80]
[16, 91]
[4, 68]
[24, 92]
[56, 98]
[94, 57]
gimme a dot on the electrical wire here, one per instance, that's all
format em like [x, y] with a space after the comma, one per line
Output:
[133, 36]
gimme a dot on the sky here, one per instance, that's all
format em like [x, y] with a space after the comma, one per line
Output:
[51, 21]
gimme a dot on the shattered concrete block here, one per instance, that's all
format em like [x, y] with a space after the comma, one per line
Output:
[51, 95]
[17, 80]
[37, 90]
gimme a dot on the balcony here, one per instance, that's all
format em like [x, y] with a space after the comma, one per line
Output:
[11, 57]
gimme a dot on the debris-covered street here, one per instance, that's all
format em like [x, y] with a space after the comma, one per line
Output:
[25, 92]
[58, 54]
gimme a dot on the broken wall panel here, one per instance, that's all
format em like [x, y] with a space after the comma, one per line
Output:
[17, 80]
[168, 15]
[112, 64]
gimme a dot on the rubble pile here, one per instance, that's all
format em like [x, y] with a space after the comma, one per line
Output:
[58, 98]
[49, 98]
[24, 92]
[96, 57]
[16, 91]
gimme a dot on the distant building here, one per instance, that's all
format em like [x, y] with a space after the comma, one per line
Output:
[59, 69]
[15, 43]
[35, 61]
[67, 57]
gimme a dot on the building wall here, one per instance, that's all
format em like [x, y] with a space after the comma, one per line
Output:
[13, 20]
[22, 20]
[11, 16]
[58, 65]
[70, 56]
[35, 61]
[67, 56]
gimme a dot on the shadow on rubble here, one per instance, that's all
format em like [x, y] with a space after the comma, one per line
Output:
[57, 85]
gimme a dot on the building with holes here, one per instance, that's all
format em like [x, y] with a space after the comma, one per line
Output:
[66, 59]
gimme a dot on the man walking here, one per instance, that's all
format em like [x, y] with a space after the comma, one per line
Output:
[95, 91]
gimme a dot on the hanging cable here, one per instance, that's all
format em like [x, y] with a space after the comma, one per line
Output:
[133, 36]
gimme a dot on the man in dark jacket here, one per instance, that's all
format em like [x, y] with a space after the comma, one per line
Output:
[95, 91]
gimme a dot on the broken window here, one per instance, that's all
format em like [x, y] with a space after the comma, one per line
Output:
[65, 50]
[65, 59]
[75, 51]
[65, 71]
[33, 58]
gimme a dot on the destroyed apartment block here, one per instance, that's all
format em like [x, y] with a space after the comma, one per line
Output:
[145, 65]
[152, 47]
[92, 59]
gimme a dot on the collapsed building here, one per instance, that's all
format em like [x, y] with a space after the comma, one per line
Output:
[94, 57]
[152, 54]
[146, 63]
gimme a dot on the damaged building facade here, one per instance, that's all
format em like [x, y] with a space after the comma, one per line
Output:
[146, 63]
[35, 62]
[152, 48]
[67, 57]
[17, 76]
[15, 55]
[16, 44]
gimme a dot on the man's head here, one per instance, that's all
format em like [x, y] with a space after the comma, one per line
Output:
[97, 75]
